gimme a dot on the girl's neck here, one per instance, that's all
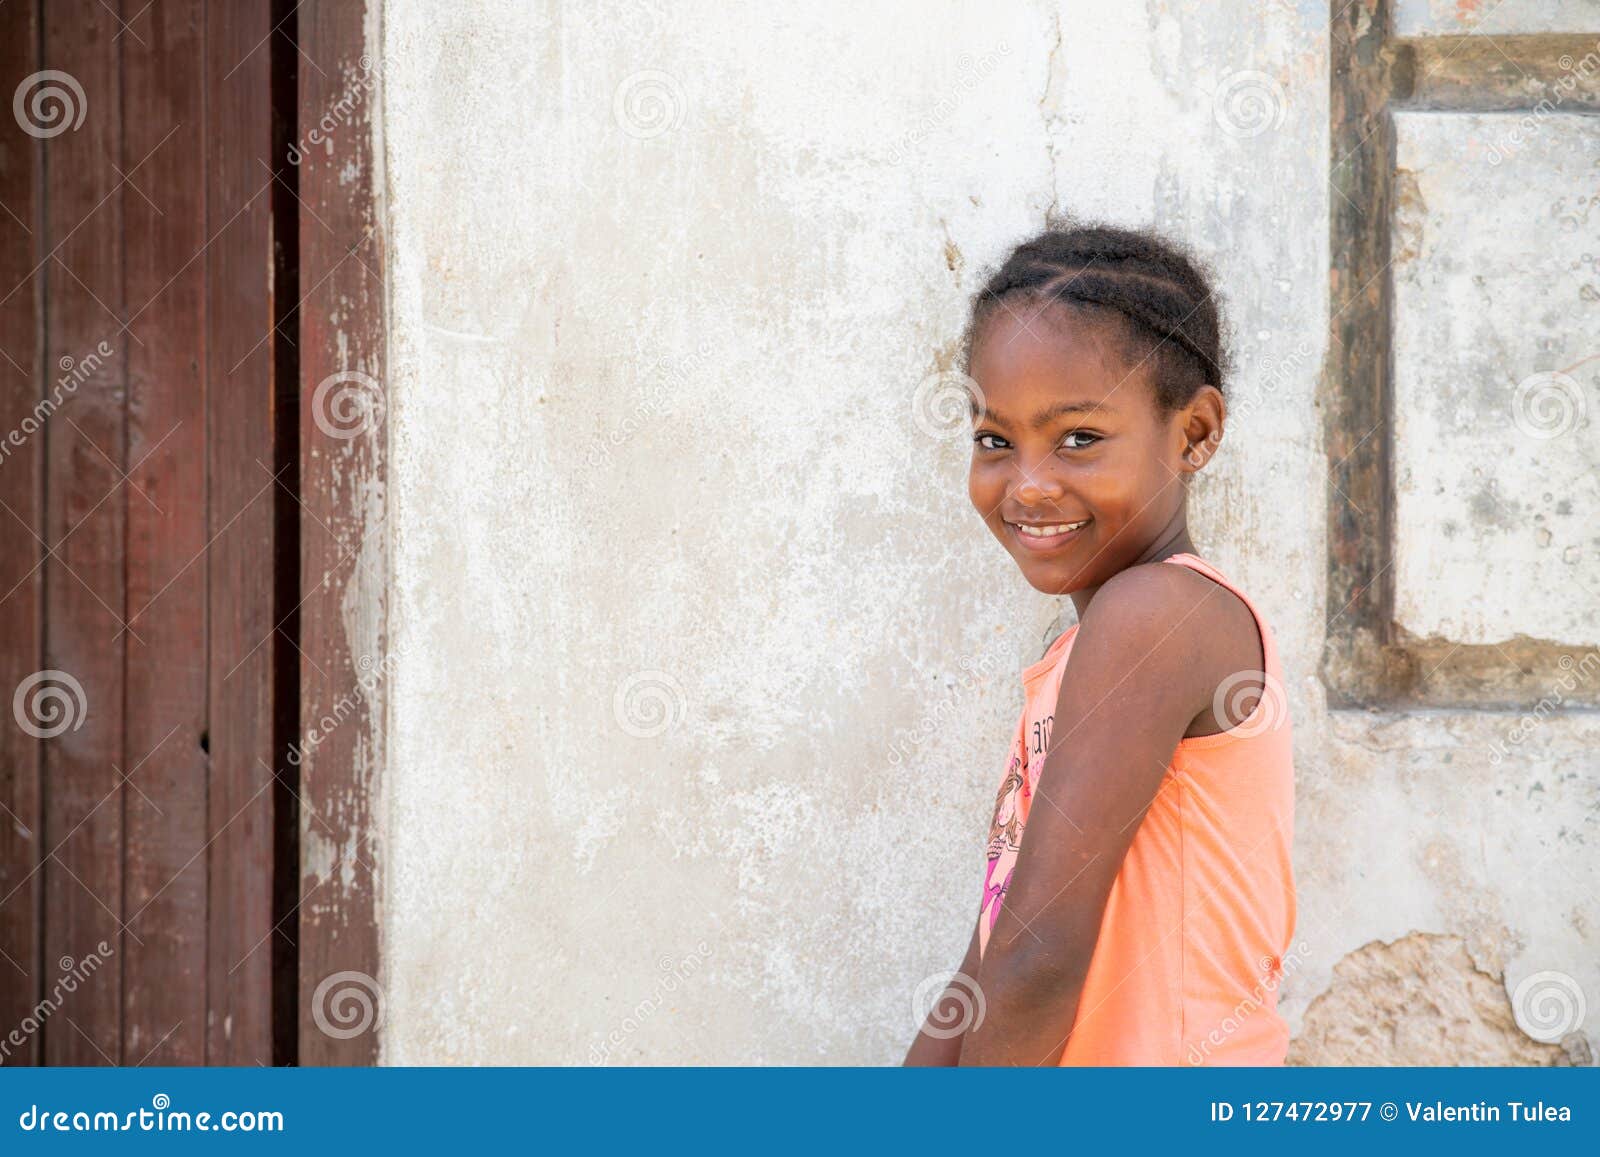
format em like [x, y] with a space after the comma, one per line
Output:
[1174, 540]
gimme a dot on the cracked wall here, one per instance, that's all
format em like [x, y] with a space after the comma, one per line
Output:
[1423, 1000]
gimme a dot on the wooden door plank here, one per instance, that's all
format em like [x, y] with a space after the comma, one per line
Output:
[22, 390]
[343, 552]
[163, 204]
[85, 528]
[239, 383]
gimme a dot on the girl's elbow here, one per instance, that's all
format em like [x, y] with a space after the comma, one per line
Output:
[1026, 980]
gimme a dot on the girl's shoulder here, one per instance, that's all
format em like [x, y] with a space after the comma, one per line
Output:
[1183, 585]
[1231, 617]
[1180, 624]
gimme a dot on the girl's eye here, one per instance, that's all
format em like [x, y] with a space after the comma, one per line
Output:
[990, 442]
[1090, 440]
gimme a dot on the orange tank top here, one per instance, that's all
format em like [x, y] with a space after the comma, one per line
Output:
[1191, 948]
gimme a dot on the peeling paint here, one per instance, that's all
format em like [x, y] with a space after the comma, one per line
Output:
[1420, 1000]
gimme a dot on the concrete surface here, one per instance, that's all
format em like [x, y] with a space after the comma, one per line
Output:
[706, 667]
[1497, 359]
[1494, 17]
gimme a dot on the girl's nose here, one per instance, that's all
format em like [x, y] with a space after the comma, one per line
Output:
[1037, 486]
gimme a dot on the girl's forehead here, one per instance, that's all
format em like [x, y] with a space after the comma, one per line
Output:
[1029, 345]
[1033, 365]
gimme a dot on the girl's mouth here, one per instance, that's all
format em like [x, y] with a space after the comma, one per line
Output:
[1040, 536]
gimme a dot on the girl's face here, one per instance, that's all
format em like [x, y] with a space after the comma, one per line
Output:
[1075, 468]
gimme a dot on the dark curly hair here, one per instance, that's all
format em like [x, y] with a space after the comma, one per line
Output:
[1147, 285]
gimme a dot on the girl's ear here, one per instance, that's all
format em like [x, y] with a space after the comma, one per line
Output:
[1202, 421]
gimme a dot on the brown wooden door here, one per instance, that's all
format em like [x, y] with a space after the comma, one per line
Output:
[151, 490]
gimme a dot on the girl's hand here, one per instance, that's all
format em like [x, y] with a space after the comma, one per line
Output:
[939, 1041]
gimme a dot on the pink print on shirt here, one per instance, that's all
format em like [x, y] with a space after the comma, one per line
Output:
[1005, 838]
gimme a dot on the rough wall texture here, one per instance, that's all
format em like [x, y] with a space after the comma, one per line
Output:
[705, 668]
[1422, 1001]
[1480, 538]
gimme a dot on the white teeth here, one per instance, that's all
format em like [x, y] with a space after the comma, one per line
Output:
[1048, 531]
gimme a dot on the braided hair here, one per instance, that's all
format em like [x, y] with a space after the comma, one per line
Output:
[1148, 286]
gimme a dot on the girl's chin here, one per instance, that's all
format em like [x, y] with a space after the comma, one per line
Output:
[1050, 580]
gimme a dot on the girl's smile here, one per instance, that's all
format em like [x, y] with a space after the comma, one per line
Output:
[1076, 467]
[1044, 538]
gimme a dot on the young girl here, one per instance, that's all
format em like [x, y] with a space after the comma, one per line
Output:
[1138, 897]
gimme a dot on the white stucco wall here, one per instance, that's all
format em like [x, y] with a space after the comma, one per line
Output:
[706, 668]
[1494, 298]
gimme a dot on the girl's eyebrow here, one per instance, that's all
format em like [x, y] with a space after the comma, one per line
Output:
[1044, 417]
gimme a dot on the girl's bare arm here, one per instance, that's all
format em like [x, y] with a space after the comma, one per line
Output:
[1141, 670]
[939, 1041]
